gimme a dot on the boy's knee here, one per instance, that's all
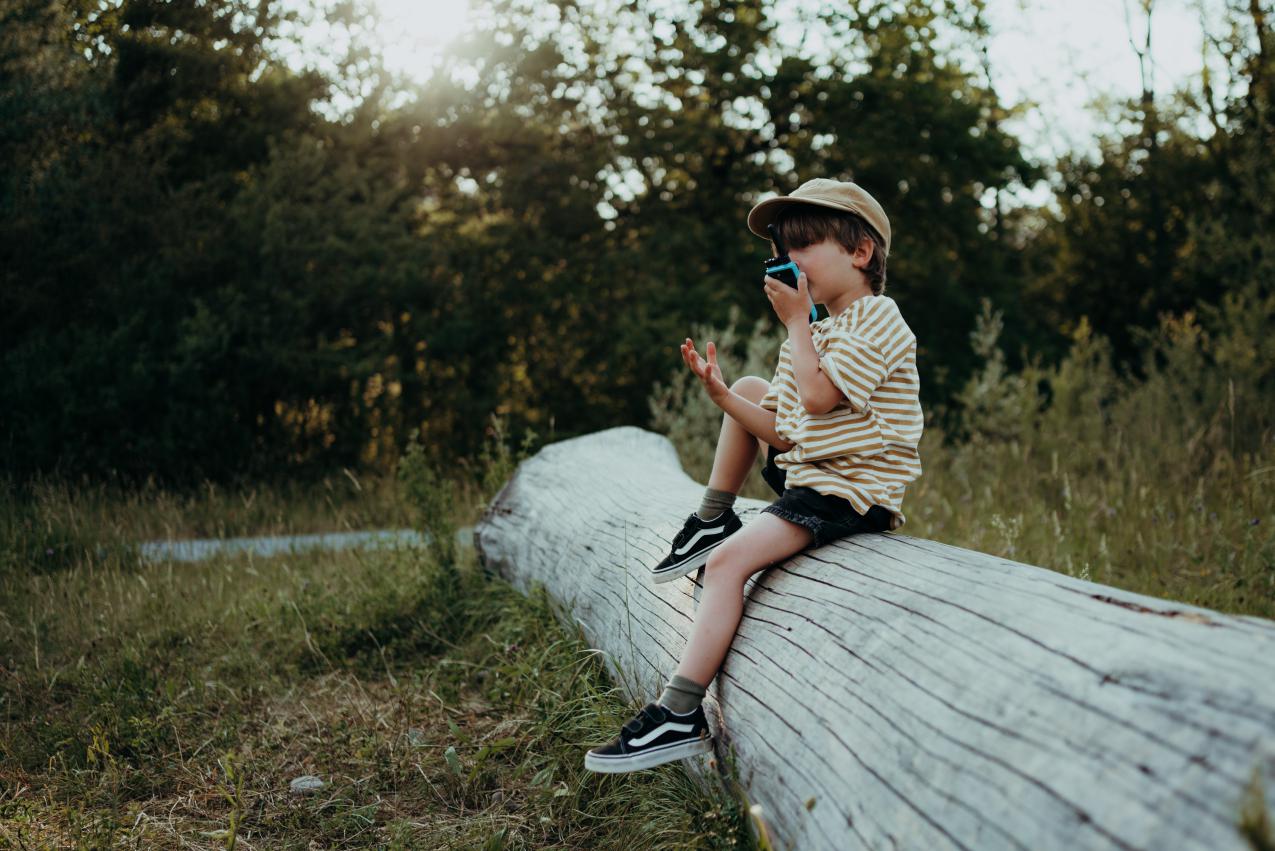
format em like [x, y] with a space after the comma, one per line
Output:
[719, 567]
[751, 387]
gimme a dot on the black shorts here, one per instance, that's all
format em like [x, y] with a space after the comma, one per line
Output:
[828, 517]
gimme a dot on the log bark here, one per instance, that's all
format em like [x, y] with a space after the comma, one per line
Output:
[889, 692]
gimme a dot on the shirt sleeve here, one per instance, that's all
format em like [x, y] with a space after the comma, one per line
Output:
[855, 365]
[771, 400]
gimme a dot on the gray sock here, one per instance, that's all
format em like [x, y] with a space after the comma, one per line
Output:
[715, 502]
[681, 695]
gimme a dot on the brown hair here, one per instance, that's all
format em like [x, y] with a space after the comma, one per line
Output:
[803, 225]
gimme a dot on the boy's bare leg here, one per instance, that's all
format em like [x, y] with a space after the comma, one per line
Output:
[737, 448]
[765, 541]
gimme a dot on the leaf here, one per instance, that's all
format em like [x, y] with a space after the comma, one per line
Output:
[496, 842]
[453, 760]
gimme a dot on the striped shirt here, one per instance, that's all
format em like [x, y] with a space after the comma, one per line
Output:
[864, 449]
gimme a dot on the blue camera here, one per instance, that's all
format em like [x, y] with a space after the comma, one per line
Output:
[782, 268]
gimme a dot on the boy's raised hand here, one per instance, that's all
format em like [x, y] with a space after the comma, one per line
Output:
[708, 372]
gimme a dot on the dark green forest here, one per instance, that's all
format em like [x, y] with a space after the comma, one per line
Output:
[214, 266]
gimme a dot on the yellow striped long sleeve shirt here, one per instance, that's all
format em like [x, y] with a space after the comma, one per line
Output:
[864, 449]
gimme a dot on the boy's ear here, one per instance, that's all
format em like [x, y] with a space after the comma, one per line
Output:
[864, 252]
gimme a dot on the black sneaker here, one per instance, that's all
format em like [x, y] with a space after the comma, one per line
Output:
[653, 737]
[692, 545]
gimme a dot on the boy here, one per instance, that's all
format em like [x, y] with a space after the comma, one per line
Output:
[841, 419]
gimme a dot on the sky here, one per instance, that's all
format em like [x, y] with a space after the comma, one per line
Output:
[1059, 54]
[1062, 53]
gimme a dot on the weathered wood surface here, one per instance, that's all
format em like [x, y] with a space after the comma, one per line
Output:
[891, 692]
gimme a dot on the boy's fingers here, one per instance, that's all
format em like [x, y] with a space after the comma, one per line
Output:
[702, 369]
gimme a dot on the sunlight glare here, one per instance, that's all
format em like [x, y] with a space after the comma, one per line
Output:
[414, 32]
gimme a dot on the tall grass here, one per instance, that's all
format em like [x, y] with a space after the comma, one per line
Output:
[1161, 485]
[47, 524]
[166, 706]
[169, 705]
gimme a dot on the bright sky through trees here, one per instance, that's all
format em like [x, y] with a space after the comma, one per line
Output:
[414, 30]
[1063, 54]
[1067, 61]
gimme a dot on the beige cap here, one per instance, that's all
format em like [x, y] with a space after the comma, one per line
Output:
[822, 192]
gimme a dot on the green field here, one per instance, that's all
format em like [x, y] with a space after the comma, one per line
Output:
[165, 706]
[170, 705]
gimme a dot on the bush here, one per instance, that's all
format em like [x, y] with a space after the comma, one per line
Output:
[1158, 485]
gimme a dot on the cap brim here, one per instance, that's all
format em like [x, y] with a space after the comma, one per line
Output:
[766, 212]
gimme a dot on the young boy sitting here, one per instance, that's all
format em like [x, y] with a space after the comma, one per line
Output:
[841, 421]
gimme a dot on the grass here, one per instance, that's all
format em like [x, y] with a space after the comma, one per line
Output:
[1160, 486]
[50, 525]
[164, 706]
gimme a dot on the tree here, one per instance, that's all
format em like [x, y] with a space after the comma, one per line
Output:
[1164, 219]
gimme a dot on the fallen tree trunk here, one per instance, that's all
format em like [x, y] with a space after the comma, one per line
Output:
[892, 692]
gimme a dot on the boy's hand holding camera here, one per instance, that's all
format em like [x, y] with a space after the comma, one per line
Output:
[788, 291]
[790, 305]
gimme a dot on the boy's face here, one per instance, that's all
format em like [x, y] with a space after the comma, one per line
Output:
[830, 269]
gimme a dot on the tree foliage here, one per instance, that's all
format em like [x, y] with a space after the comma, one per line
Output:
[1165, 216]
[213, 264]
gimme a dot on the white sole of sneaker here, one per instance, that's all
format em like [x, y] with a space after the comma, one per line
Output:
[646, 759]
[694, 563]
